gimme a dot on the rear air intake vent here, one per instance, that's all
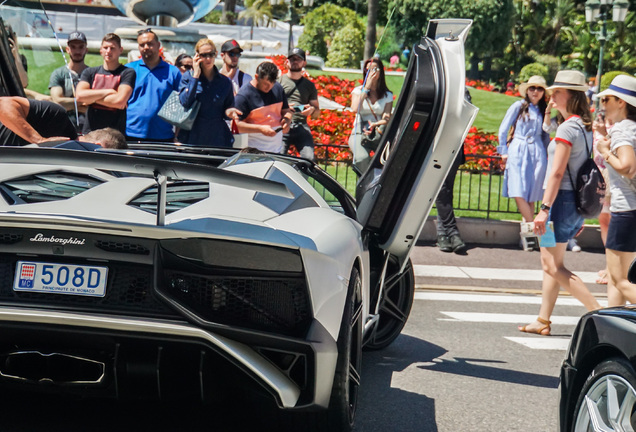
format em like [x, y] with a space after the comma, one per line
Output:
[121, 247]
[6, 238]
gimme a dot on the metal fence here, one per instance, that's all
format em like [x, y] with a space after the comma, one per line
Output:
[477, 186]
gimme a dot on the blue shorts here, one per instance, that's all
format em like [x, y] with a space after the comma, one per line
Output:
[621, 234]
[567, 221]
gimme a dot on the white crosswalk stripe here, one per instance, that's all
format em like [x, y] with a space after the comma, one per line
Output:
[531, 342]
[512, 275]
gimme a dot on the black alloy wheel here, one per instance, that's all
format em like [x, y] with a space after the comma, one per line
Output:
[395, 306]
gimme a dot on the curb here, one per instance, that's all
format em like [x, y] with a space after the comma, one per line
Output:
[501, 232]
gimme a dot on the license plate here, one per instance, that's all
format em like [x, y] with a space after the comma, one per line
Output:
[60, 278]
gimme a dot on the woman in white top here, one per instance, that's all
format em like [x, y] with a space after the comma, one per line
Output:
[373, 102]
[569, 148]
[619, 152]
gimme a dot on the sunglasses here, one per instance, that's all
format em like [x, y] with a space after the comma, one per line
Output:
[534, 88]
[207, 55]
[186, 67]
[606, 99]
[234, 54]
[146, 30]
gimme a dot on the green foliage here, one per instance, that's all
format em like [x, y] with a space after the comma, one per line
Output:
[347, 48]
[256, 11]
[607, 78]
[533, 69]
[389, 44]
[213, 17]
[551, 62]
[321, 25]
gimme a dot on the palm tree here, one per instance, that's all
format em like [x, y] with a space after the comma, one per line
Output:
[256, 12]
[372, 19]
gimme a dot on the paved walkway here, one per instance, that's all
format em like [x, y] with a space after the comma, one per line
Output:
[496, 268]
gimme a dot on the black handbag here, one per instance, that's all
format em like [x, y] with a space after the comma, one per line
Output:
[371, 141]
[589, 187]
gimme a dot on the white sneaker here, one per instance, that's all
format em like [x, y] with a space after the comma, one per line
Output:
[573, 246]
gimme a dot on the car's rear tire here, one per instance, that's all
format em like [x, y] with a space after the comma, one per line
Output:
[343, 403]
[395, 306]
[607, 396]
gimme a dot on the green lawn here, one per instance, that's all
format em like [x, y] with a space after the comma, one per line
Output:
[41, 63]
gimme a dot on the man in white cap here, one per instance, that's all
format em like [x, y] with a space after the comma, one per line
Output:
[303, 100]
[64, 79]
[231, 52]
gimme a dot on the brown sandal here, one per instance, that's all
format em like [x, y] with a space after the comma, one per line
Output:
[541, 330]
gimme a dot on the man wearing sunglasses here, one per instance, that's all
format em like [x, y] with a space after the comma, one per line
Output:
[230, 54]
[302, 97]
[156, 80]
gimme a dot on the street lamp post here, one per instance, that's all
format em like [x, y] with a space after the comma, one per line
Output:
[293, 16]
[598, 11]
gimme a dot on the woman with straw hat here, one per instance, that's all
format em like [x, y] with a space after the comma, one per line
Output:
[619, 151]
[570, 147]
[522, 145]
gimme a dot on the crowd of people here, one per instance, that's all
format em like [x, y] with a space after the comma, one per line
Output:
[270, 108]
[540, 170]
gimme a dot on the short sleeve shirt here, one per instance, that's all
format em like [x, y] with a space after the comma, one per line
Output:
[298, 92]
[571, 133]
[65, 78]
[152, 89]
[98, 117]
[623, 189]
[47, 118]
[249, 98]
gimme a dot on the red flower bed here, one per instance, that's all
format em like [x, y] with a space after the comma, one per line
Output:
[332, 128]
[482, 85]
[478, 143]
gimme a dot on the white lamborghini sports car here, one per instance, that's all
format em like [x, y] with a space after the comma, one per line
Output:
[203, 274]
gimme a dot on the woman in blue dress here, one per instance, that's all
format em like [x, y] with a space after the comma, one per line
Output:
[215, 94]
[525, 153]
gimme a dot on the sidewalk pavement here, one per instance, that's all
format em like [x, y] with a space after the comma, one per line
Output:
[499, 266]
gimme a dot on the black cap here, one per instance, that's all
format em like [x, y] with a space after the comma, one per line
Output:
[76, 36]
[231, 45]
[297, 52]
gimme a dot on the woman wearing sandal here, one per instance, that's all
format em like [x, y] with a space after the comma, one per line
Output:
[619, 152]
[568, 148]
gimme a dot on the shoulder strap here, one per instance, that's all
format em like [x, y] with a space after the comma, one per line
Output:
[240, 78]
[589, 152]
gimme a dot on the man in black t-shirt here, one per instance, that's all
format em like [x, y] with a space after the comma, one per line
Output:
[303, 100]
[265, 111]
[25, 121]
[107, 88]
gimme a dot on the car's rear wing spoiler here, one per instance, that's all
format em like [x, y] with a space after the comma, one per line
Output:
[161, 170]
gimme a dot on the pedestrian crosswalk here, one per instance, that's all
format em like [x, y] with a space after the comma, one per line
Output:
[530, 341]
[461, 272]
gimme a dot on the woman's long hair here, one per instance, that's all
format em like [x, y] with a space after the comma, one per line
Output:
[579, 105]
[382, 88]
[525, 106]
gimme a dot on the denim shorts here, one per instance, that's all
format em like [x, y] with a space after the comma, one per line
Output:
[567, 221]
[621, 234]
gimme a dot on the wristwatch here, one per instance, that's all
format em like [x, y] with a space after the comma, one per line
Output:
[545, 207]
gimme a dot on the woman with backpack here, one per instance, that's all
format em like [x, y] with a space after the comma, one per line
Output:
[569, 150]
[522, 146]
[619, 153]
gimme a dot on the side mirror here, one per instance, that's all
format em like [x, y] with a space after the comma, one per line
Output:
[631, 273]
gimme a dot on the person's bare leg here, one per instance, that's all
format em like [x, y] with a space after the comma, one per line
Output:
[568, 280]
[549, 295]
[525, 208]
[618, 264]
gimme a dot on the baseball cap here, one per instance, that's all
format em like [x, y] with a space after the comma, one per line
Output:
[77, 36]
[231, 45]
[297, 52]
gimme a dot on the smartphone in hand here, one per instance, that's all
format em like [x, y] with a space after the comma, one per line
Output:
[278, 129]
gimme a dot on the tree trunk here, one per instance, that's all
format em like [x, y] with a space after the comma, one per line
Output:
[228, 16]
[372, 18]
[473, 73]
[487, 68]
